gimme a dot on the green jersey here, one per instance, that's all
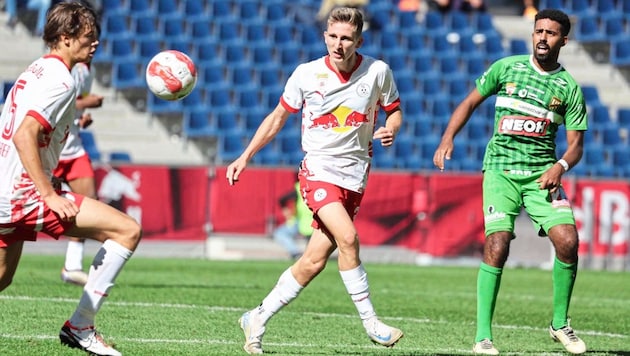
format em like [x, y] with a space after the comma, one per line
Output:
[530, 106]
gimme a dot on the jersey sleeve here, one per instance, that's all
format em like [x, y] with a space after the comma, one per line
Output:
[390, 98]
[576, 117]
[52, 100]
[293, 95]
[488, 83]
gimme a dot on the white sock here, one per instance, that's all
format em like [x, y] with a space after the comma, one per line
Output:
[108, 262]
[356, 283]
[74, 256]
[282, 294]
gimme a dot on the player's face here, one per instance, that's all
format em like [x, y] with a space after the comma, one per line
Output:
[85, 45]
[547, 40]
[342, 43]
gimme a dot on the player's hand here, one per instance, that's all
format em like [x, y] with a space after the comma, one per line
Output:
[443, 152]
[385, 135]
[65, 208]
[234, 170]
[85, 120]
[93, 101]
[551, 179]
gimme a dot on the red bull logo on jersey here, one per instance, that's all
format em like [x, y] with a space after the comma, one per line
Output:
[524, 126]
[341, 119]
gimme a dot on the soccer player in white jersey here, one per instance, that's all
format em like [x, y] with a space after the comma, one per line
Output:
[35, 122]
[75, 167]
[339, 95]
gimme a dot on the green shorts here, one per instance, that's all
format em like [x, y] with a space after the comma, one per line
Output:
[505, 192]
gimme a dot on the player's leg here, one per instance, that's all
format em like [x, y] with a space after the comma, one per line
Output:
[501, 204]
[72, 271]
[287, 288]
[336, 218]
[120, 235]
[9, 259]
[559, 224]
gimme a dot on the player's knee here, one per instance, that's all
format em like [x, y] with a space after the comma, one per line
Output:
[131, 233]
[349, 242]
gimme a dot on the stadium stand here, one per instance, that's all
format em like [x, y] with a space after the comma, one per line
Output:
[250, 47]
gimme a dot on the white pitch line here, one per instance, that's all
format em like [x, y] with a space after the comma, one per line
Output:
[323, 315]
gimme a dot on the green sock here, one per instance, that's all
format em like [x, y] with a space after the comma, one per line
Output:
[563, 281]
[488, 282]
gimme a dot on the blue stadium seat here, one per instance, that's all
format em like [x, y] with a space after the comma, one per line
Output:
[404, 146]
[581, 8]
[248, 98]
[140, 7]
[458, 22]
[615, 27]
[448, 65]
[611, 135]
[148, 47]
[128, 74]
[269, 77]
[119, 157]
[414, 40]
[159, 106]
[389, 39]
[474, 66]
[440, 45]
[591, 95]
[229, 31]
[257, 32]
[620, 156]
[220, 97]
[123, 48]
[167, 8]
[253, 117]
[241, 75]
[290, 56]
[623, 117]
[173, 27]
[518, 46]
[145, 26]
[589, 30]
[274, 11]
[221, 9]
[198, 123]
[422, 62]
[249, 9]
[482, 23]
[600, 115]
[227, 119]
[468, 46]
[89, 144]
[434, 23]
[194, 8]
[406, 82]
[235, 52]
[620, 52]
[262, 53]
[115, 24]
[231, 146]
[196, 100]
[594, 155]
[206, 51]
[213, 74]
[283, 33]
[182, 44]
[407, 20]
[396, 58]
[200, 28]
[494, 48]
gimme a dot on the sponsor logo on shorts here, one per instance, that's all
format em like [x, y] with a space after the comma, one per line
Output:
[493, 215]
[320, 194]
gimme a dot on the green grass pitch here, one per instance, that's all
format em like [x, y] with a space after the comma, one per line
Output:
[191, 307]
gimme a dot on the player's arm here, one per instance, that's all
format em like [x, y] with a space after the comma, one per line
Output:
[387, 134]
[458, 119]
[89, 101]
[551, 179]
[26, 140]
[268, 129]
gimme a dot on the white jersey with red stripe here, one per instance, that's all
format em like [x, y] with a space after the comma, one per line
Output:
[45, 91]
[83, 78]
[339, 115]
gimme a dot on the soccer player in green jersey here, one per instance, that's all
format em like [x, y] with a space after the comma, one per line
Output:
[534, 95]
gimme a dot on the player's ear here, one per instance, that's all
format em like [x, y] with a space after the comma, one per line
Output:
[360, 41]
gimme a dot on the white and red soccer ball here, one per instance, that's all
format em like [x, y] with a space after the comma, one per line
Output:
[171, 75]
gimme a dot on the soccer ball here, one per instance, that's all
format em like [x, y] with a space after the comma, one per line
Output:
[171, 75]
